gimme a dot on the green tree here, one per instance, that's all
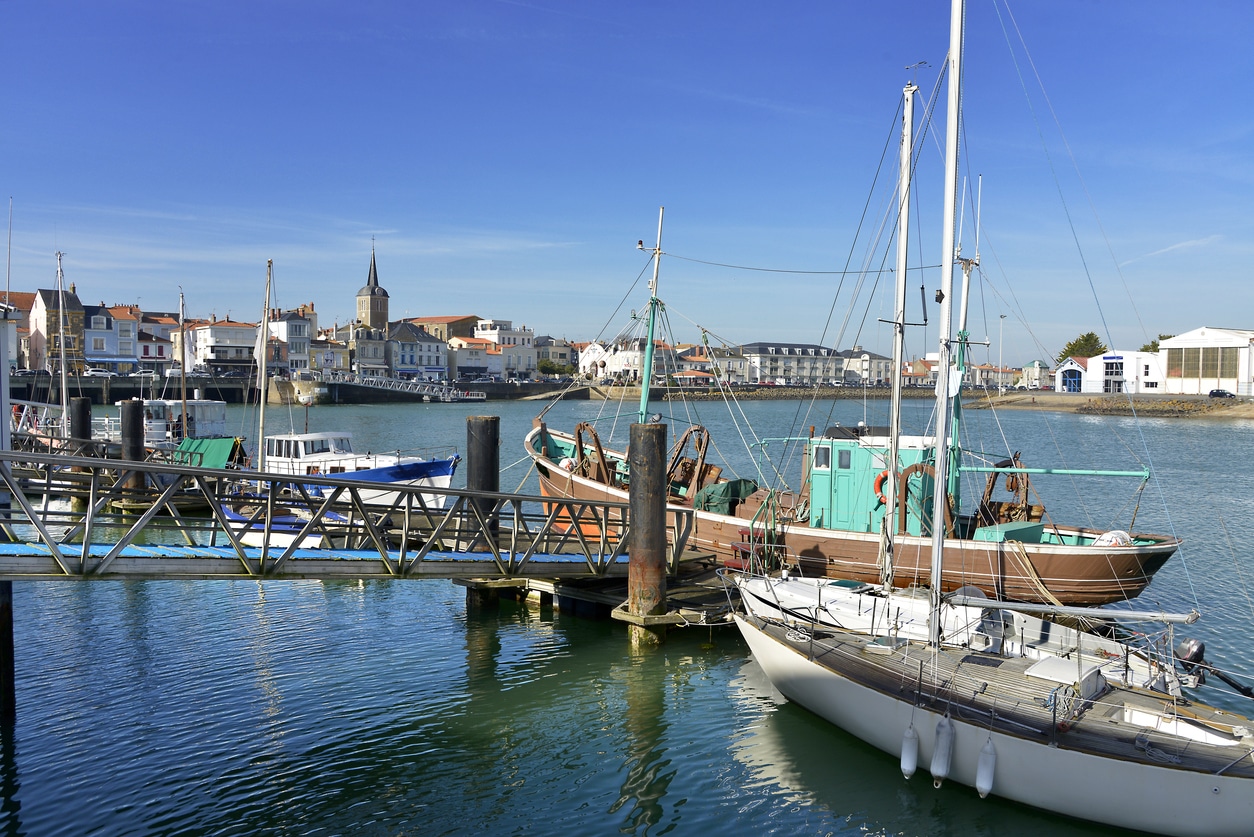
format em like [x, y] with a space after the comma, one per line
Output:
[1152, 346]
[551, 367]
[1086, 345]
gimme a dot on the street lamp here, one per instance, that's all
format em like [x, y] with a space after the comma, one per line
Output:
[1001, 372]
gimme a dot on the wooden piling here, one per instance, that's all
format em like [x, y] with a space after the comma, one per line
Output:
[483, 458]
[646, 570]
[483, 473]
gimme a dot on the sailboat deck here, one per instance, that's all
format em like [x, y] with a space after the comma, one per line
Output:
[1000, 693]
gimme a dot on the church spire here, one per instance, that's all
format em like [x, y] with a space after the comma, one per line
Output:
[372, 300]
[373, 280]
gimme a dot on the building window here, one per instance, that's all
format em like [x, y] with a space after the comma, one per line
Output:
[1175, 363]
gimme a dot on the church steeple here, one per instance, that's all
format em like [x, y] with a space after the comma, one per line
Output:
[372, 300]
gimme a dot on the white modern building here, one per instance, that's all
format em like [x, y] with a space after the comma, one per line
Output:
[1136, 373]
[1208, 358]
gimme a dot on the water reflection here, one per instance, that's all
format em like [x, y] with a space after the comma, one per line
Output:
[649, 772]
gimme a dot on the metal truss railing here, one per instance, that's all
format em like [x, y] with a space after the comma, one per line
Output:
[87, 517]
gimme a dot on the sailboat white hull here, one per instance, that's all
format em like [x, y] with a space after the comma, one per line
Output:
[1028, 769]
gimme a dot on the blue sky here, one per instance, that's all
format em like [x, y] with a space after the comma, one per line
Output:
[505, 157]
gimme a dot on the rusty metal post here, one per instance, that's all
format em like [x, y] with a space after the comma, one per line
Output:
[132, 420]
[646, 570]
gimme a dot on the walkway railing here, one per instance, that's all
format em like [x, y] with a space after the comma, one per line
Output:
[81, 517]
[438, 392]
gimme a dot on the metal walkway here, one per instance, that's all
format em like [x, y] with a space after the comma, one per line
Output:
[80, 517]
[434, 391]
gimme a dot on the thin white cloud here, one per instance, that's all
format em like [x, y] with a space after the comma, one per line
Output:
[1183, 245]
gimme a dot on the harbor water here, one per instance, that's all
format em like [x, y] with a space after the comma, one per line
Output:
[310, 708]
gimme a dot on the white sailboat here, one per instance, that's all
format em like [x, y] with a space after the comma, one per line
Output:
[990, 696]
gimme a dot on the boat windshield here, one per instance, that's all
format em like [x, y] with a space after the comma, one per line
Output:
[317, 446]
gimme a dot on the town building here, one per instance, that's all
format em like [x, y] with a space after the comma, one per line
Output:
[224, 347]
[325, 352]
[294, 330]
[518, 351]
[446, 328]
[792, 363]
[623, 360]
[559, 353]
[105, 336]
[414, 354]
[20, 304]
[474, 357]
[56, 331]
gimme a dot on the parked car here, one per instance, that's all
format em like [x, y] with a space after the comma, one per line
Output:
[1221, 393]
[144, 373]
[94, 372]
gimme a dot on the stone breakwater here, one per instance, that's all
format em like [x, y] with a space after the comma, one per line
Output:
[1158, 406]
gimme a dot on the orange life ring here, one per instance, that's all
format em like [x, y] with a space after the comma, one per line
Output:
[878, 488]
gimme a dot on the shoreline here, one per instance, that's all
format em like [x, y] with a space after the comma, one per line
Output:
[1155, 406]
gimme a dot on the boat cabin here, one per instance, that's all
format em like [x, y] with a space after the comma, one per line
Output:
[848, 471]
[314, 453]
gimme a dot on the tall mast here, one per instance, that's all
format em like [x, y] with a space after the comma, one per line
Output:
[940, 497]
[646, 370]
[183, 359]
[62, 328]
[263, 383]
[888, 525]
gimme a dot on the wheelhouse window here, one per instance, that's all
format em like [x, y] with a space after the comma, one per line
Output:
[823, 458]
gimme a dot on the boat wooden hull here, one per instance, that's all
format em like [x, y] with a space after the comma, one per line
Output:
[1044, 573]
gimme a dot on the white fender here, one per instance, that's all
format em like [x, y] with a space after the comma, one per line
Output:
[984, 769]
[909, 752]
[943, 750]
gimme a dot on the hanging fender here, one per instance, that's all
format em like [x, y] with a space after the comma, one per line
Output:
[985, 768]
[909, 752]
[942, 750]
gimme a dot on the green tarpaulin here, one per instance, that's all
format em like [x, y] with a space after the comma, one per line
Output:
[209, 453]
[722, 497]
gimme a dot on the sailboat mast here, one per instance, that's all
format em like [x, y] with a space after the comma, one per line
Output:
[646, 369]
[263, 383]
[899, 338]
[183, 359]
[940, 498]
[63, 337]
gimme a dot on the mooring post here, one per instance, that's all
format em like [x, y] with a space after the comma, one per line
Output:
[80, 424]
[483, 473]
[646, 568]
[131, 415]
